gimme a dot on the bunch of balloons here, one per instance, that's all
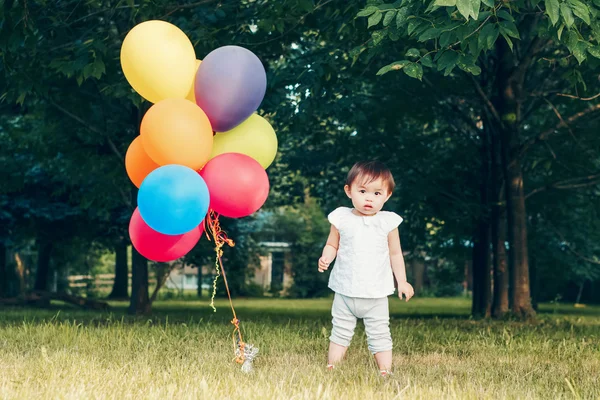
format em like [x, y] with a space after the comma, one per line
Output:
[201, 146]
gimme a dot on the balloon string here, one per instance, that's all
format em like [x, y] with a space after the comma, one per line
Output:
[213, 227]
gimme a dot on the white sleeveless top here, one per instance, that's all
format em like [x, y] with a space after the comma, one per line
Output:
[362, 267]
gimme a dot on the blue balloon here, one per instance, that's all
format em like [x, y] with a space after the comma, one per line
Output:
[230, 85]
[173, 199]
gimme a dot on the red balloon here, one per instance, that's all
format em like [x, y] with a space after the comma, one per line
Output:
[237, 183]
[157, 246]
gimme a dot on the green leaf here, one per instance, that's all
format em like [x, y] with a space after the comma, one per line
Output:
[560, 30]
[552, 8]
[413, 53]
[475, 70]
[571, 39]
[489, 3]
[445, 3]
[567, 15]
[87, 71]
[594, 50]
[475, 6]
[21, 98]
[510, 43]
[389, 17]
[488, 36]
[467, 64]
[386, 6]
[447, 61]
[464, 8]
[98, 68]
[510, 29]
[445, 39]
[395, 66]
[580, 51]
[505, 15]
[394, 35]
[375, 19]
[426, 61]
[306, 5]
[580, 10]
[429, 34]
[483, 15]
[596, 28]
[414, 70]
[402, 16]
[367, 11]
[378, 36]
[413, 24]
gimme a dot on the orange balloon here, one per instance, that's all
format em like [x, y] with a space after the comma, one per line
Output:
[137, 162]
[176, 131]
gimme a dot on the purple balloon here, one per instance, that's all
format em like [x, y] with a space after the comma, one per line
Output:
[230, 85]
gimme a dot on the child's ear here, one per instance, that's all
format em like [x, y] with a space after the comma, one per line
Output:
[388, 197]
[347, 190]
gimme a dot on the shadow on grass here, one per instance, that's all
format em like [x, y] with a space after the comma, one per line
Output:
[263, 310]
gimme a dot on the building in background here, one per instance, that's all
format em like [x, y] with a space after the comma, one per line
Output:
[274, 274]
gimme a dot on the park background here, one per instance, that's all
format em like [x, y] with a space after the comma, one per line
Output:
[486, 112]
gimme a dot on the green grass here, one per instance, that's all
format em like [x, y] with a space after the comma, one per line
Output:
[184, 351]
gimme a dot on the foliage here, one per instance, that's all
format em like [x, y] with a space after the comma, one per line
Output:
[306, 228]
[458, 33]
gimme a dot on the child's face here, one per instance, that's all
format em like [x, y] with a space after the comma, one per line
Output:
[367, 197]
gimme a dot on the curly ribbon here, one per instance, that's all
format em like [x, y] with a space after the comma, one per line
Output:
[213, 228]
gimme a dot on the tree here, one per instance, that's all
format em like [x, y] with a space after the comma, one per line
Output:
[501, 45]
[82, 91]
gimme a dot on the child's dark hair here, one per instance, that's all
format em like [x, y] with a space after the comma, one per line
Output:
[370, 171]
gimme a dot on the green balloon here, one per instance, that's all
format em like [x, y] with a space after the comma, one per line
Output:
[254, 137]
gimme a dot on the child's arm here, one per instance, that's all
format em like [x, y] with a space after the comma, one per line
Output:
[330, 249]
[397, 260]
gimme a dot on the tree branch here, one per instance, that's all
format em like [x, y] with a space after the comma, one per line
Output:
[563, 123]
[575, 253]
[487, 101]
[571, 183]
[92, 129]
[577, 97]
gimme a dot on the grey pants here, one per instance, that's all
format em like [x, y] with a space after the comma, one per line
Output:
[374, 313]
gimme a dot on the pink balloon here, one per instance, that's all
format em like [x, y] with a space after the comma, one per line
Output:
[157, 246]
[237, 183]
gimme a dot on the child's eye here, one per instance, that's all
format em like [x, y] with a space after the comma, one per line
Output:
[362, 191]
[377, 193]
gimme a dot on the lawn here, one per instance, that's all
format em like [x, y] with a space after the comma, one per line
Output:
[184, 351]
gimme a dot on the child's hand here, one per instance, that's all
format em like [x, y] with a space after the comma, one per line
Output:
[406, 289]
[324, 264]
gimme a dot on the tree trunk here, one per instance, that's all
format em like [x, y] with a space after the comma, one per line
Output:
[120, 285]
[140, 301]
[482, 290]
[501, 277]
[500, 304]
[42, 273]
[509, 95]
[3, 271]
[418, 273]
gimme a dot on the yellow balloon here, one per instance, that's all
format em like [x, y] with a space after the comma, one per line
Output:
[158, 61]
[191, 96]
[254, 137]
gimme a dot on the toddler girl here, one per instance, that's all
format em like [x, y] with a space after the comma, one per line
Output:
[366, 242]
